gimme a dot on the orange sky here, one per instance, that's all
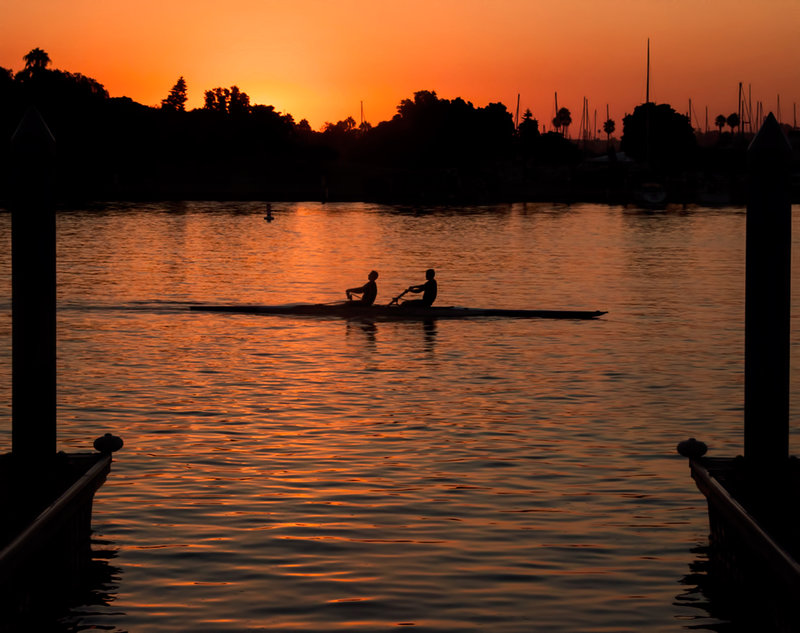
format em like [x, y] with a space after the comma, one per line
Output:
[318, 59]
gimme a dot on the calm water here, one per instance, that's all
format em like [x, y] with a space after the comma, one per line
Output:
[298, 474]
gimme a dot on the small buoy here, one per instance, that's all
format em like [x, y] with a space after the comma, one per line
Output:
[108, 443]
[269, 217]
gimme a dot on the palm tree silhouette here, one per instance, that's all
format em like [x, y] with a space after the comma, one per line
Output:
[36, 59]
[564, 119]
[608, 127]
[720, 122]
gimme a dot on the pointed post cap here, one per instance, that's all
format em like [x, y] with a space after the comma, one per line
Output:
[770, 144]
[32, 138]
[32, 162]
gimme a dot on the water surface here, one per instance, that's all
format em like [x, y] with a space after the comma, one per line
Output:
[302, 474]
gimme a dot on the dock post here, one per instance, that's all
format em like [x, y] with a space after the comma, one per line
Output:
[33, 290]
[768, 298]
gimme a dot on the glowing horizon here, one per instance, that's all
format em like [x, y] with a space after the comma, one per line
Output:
[321, 60]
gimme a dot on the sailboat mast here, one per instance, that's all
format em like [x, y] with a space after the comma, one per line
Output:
[740, 107]
[647, 110]
[647, 92]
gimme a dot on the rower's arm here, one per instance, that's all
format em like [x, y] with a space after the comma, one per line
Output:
[357, 291]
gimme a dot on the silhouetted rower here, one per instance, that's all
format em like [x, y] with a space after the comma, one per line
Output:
[368, 291]
[428, 290]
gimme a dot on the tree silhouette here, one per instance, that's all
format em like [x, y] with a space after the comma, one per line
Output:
[429, 133]
[36, 59]
[423, 100]
[720, 122]
[227, 101]
[608, 127]
[216, 100]
[658, 135]
[6, 77]
[239, 102]
[529, 128]
[733, 120]
[563, 120]
[90, 89]
[342, 127]
[176, 100]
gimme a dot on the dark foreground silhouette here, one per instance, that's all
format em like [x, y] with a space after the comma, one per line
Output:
[433, 150]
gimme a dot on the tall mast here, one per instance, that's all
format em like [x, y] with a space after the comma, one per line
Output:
[740, 107]
[647, 93]
[586, 132]
[516, 123]
[585, 121]
[647, 110]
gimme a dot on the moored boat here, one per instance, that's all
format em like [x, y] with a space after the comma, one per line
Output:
[354, 310]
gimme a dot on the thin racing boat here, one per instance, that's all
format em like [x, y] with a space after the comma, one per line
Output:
[394, 311]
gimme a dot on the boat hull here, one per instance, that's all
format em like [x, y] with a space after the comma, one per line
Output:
[401, 312]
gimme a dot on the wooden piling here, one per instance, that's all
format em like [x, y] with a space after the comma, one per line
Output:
[45, 497]
[768, 298]
[753, 502]
[33, 290]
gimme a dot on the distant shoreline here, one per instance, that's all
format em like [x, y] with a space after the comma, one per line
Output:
[434, 187]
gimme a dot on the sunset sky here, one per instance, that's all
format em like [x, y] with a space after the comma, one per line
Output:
[319, 59]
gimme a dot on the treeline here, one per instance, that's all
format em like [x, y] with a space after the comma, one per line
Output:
[432, 150]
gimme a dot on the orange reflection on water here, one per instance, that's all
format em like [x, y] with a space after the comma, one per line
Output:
[312, 474]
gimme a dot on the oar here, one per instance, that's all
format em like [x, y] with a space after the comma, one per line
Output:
[397, 298]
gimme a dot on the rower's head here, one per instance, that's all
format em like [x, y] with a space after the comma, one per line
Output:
[430, 273]
[373, 275]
